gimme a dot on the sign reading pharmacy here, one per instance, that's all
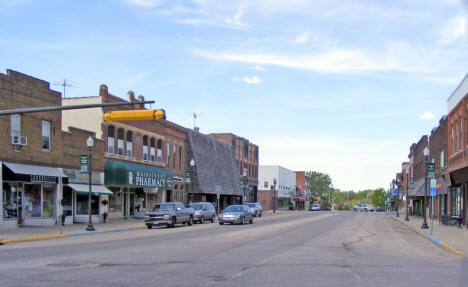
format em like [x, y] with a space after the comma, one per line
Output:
[118, 173]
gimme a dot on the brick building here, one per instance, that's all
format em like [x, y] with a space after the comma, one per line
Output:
[418, 173]
[302, 190]
[247, 162]
[457, 151]
[38, 160]
[144, 160]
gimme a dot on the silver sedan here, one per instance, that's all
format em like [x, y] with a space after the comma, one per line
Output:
[236, 214]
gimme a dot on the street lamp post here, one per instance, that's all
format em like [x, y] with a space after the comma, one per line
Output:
[407, 198]
[274, 195]
[426, 154]
[245, 183]
[192, 164]
[89, 143]
[398, 197]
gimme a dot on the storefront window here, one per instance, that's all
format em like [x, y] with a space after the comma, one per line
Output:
[455, 201]
[10, 201]
[48, 198]
[82, 204]
[140, 202]
[67, 201]
[115, 200]
[32, 200]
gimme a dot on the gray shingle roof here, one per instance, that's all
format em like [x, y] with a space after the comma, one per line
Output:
[215, 165]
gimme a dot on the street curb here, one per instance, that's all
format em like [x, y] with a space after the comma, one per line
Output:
[445, 245]
[8, 241]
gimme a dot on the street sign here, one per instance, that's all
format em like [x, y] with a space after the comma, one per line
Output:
[187, 177]
[84, 163]
[411, 183]
[433, 191]
[431, 170]
[395, 192]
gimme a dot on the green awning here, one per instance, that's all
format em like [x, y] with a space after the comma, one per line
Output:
[118, 173]
[95, 189]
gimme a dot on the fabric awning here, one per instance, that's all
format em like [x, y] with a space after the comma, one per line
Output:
[95, 189]
[34, 169]
[118, 173]
[418, 189]
[441, 186]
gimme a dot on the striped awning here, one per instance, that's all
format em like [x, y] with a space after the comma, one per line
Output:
[34, 169]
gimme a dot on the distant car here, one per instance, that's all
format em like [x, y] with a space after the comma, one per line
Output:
[255, 208]
[236, 214]
[314, 207]
[371, 207]
[169, 214]
[378, 209]
[203, 211]
[363, 207]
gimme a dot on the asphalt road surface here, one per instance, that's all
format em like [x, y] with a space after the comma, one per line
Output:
[291, 249]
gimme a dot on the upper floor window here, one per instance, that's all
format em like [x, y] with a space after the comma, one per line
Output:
[145, 148]
[453, 140]
[180, 157]
[120, 142]
[15, 129]
[129, 144]
[45, 135]
[174, 153]
[265, 184]
[159, 146]
[461, 133]
[110, 140]
[152, 150]
[442, 159]
[168, 154]
[246, 149]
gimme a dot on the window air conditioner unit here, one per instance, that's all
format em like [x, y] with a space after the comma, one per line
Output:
[23, 140]
[15, 140]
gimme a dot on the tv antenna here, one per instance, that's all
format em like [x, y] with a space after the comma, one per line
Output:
[195, 116]
[65, 83]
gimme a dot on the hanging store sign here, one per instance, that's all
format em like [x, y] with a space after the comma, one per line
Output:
[43, 178]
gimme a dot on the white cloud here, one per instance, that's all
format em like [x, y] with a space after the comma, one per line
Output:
[260, 68]
[453, 30]
[144, 3]
[351, 163]
[427, 116]
[302, 38]
[252, 80]
[135, 78]
[236, 79]
[236, 20]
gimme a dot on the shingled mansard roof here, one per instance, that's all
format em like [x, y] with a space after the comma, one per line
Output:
[215, 165]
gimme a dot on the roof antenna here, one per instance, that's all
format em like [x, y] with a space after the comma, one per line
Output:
[195, 116]
[64, 84]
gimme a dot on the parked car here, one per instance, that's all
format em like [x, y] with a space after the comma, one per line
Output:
[169, 214]
[378, 209]
[371, 207]
[363, 207]
[236, 214]
[314, 207]
[255, 208]
[203, 211]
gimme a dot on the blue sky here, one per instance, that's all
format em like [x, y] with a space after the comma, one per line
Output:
[342, 87]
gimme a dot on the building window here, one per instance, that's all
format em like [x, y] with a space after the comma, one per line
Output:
[453, 140]
[129, 145]
[265, 184]
[461, 133]
[145, 148]
[455, 201]
[159, 146]
[180, 157]
[110, 140]
[15, 129]
[45, 135]
[152, 150]
[174, 153]
[39, 201]
[442, 159]
[168, 154]
[246, 150]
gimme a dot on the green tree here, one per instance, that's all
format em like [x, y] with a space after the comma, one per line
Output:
[378, 198]
[320, 184]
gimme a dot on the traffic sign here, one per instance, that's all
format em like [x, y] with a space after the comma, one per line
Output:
[187, 177]
[431, 170]
[433, 191]
[84, 163]
[395, 192]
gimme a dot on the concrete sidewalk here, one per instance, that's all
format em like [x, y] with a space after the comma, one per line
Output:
[452, 235]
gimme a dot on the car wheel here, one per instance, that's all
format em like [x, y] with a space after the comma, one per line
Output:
[173, 223]
[149, 226]
[366, 210]
[202, 220]
[190, 221]
[212, 218]
[260, 215]
[243, 220]
[221, 223]
[251, 220]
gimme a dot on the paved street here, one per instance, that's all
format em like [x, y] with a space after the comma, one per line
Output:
[292, 249]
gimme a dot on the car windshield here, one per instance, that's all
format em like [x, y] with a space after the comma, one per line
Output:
[196, 206]
[232, 208]
[163, 207]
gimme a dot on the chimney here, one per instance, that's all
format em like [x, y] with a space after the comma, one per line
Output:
[131, 96]
[141, 99]
[103, 92]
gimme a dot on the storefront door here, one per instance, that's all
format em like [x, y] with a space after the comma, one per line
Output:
[132, 204]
